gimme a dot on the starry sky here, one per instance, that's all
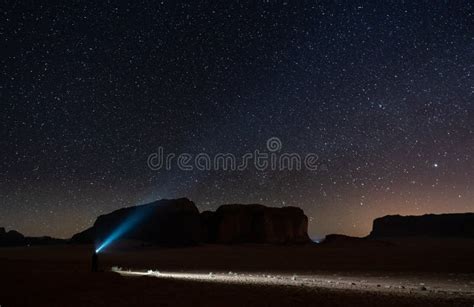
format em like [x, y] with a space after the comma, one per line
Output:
[381, 91]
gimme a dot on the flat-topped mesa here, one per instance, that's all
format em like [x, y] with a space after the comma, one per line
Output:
[430, 225]
[167, 221]
[178, 222]
[255, 224]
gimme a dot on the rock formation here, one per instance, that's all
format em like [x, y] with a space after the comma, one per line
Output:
[11, 238]
[254, 224]
[178, 222]
[168, 222]
[430, 225]
[14, 238]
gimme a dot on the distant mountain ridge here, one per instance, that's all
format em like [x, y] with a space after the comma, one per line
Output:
[14, 238]
[429, 225]
[179, 222]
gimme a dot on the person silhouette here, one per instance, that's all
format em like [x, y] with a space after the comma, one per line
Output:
[95, 262]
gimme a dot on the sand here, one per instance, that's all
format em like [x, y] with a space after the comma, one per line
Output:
[409, 273]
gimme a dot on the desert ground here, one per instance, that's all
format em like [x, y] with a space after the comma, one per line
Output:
[405, 273]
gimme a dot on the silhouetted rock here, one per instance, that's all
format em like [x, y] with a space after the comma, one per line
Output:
[169, 222]
[14, 238]
[178, 222]
[255, 224]
[430, 225]
[45, 240]
[208, 226]
[84, 237]
[11, 238]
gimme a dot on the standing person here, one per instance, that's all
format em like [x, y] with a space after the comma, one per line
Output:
[95, 262]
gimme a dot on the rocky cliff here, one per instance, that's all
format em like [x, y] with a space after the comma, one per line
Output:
[430, 225]
[169, 222]
[11, 238]
[178, 222]
[254, 224]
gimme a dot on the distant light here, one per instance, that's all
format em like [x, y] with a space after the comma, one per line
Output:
[435, 165]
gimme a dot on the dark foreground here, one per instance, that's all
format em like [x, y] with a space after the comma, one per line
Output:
[431, 273]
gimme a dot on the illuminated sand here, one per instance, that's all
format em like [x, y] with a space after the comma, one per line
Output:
[407, 284]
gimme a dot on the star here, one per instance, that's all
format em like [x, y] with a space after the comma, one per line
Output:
[380, 98]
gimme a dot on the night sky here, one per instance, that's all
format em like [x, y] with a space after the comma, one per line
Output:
[381, 91]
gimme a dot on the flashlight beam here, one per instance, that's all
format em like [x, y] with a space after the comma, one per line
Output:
[130, 222]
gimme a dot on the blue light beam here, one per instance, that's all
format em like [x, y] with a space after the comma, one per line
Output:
[124, 227]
